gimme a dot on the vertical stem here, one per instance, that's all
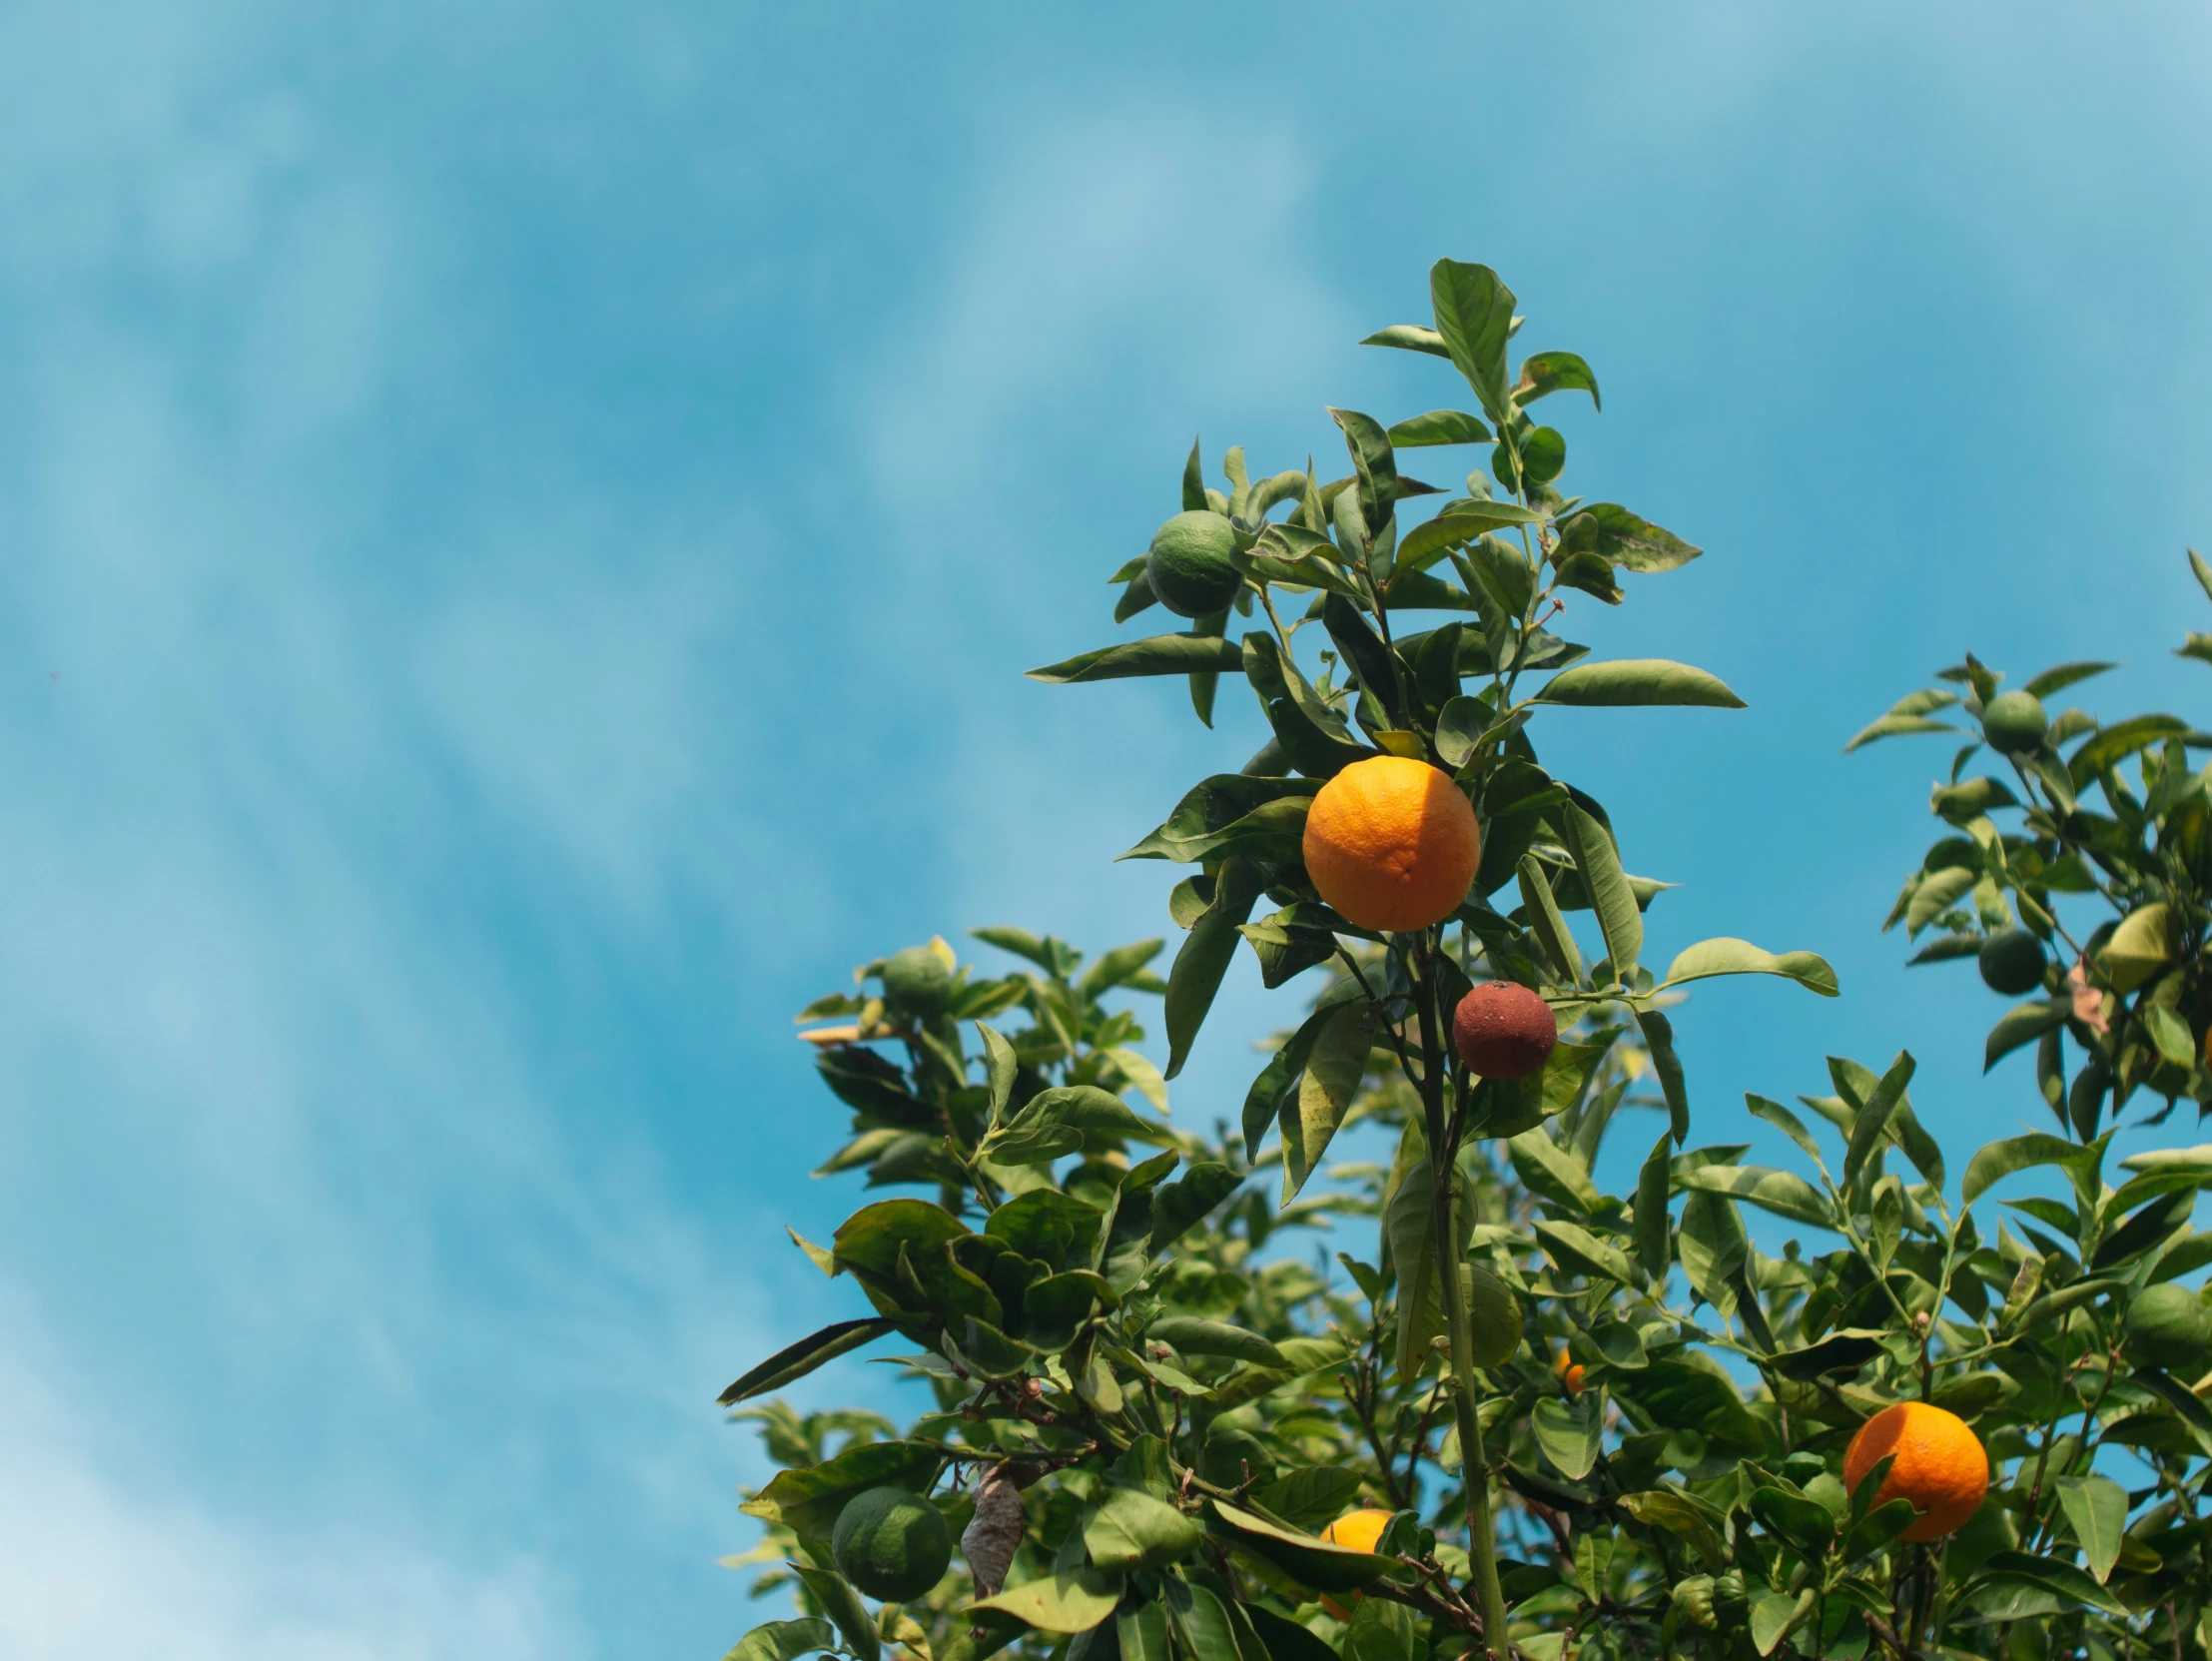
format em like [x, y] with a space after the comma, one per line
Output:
[1474, 1466]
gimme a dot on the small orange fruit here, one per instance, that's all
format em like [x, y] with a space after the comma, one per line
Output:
[1940, 1466]
[1355, 1531]
[1391, 844]
[1569, 1371]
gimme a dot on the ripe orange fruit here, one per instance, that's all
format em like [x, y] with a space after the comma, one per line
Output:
[1942, 1465]
[1569, 1371]
[1355, 1531]
[1391, 844]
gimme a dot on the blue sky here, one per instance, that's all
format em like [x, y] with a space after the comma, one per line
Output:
[519, 527]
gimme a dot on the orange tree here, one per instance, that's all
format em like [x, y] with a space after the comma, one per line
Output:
[1526, 1416]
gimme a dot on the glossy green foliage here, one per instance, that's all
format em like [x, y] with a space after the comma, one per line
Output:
[1152, 1385]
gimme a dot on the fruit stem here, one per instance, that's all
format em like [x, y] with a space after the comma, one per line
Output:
[1474, 1466]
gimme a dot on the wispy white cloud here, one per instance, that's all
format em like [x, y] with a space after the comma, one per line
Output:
[99, 1560]
[1134, 230]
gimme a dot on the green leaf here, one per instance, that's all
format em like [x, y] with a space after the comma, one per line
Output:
[1543, 455]
[1162, 654]
[2115, 743]
[1872, 1120]
[1204, 1630]
[1774, 1613]
[1313, 734]
[1459, 524]
[1474, 314]
[1636, 682]
[1680, 1514]
[1362, 648]
[843, 1606]
[1195, 1337]
[1142, 1076]
[2000, 1160]
[1806, 1524]
[1381, 1631]
[1052, 1228]
[1205, 957]
[1055, 1122]
[1304, 1356]
[2195, 1416]
[1544, 917]
[2023, 1024]
[1546, 373]
[1780, 1191]
[1410, 337]
[2014, 1569]
[2097, 1507]
[1193, 482]
[808, 1501]
[784, 1641]
[1460, 725]
[1557, 1173]
[1439, 427]
[1783, 1120]
[1894, 727]
[1310, 1495]
[1069, 1601]
[1283, 1638]
[1624, 538]
[1142, 1629]
[1578, 1251]
[1937, 893]
[1000, 1065]
[2171, 1034]
[1181, 1204]
[1333, 1068]
[826, 1262]
[1658, 1038]
[1132, 1530]
[1232, 813]
[1518, 1105]
[1723, 956]
[1376, 467]
[2054, 680]
[869, 1241]
[1839, 1352]
[1418, 591]
[1652, 1187]
[1502, 572]
[1137, 597]
[1409, 1226]
[1320, 1564]
[795, 1362]
[1568, 1433]
[1599, 862]
[1119, 966]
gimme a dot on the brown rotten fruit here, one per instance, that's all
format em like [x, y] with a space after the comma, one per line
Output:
[1502, 1030]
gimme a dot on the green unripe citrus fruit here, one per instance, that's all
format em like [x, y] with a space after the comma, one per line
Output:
[1189, 568]
[892, 1544]
[2015, 722]
[2011, 962]
[1693, 1602]
[1496, 1316]
[1731, 1600]
[2170, 1326]
[917, 982]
